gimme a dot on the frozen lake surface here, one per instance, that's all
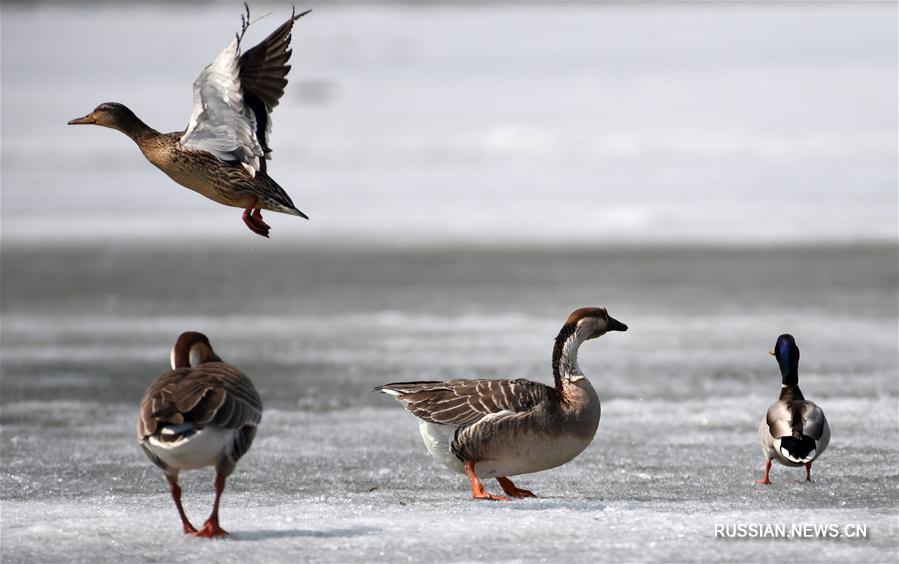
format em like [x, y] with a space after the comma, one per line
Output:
[338, 473]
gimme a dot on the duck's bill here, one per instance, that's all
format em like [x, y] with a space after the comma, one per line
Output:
[771, 352]
[615, 325]
[86, 120]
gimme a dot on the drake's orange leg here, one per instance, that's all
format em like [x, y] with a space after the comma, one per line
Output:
[513, 491]
[253, 217]
[176, 495]
[808, 471]
[477, 488]
[767, 471]
[211, 528]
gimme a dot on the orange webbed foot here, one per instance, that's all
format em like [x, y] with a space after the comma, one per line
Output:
[212, 530]
[512, 490]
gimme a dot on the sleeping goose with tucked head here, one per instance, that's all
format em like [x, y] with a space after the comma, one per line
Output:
[794, 431]
[501, 428]
[204, 412]
[223, 151]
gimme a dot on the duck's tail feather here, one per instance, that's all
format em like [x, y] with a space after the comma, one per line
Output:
[800, 451]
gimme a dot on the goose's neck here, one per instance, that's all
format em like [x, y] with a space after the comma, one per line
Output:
[565, 366]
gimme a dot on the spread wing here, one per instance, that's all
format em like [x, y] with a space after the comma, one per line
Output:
[213, 393]
[221, 124]
[263, 72]
[464, 402]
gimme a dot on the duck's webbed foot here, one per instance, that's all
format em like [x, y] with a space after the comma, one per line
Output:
[765, 480]
[252, 216]
[513, 491]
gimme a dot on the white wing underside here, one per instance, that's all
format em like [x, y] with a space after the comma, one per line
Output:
[220, 123]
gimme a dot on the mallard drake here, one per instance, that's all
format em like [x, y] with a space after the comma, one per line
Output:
[502, 428]
[223, 151]
[197, 416]
[794, 431]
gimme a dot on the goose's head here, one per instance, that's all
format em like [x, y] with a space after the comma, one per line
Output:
[593, 322]
[191, 349]
[109, 114]
[787, 354]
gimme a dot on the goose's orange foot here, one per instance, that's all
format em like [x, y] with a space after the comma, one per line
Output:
[212, 530]
[189, 529]
[477, 488]
[488, 495]
[513, 491]
[763, 481]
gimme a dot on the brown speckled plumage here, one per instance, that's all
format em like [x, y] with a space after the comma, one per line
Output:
[197, 416]
[222, 153]
[500, 428]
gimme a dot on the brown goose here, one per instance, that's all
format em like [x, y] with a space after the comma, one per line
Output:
[197, 416]
[222, 154]
[502, 428]
[794, 431]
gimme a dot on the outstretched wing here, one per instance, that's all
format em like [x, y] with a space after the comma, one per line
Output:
[221, 124]
[213, 393]
[263, 72]
[464, 402]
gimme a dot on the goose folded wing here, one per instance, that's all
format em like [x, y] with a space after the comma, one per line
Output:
[464, 402]
[213, 393]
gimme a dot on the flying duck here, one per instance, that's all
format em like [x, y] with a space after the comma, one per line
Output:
[794, 431]
[197, 415]
[223, 151]
[502, 428]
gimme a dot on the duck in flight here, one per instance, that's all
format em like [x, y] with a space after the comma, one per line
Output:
[223, 151]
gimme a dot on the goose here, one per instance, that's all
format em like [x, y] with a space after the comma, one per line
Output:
[198, 415]
[223, 151]
[794, 431]
[502, 428]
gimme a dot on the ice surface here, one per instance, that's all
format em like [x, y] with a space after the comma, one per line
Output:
[338, 473]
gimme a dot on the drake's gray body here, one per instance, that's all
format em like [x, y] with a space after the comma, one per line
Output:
[794, 431]
[793, 417]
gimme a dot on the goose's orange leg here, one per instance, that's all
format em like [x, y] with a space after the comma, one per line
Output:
[211, 528]
[767, 471]
[808, 471]
[513, 491]
[176, 495]
[477, 488]
[252, 216]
